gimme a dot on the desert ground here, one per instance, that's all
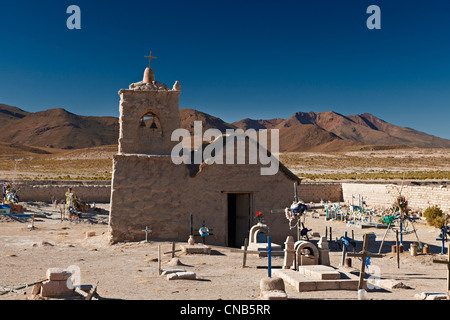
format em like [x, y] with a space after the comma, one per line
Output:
[129, 271]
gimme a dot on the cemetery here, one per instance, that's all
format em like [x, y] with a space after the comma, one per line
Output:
[201, 231]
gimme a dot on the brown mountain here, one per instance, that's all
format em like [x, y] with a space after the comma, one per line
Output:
[257, 124]
[9, 113]
[400, 135]
[58, 128]
[347, 131]
[188, 116]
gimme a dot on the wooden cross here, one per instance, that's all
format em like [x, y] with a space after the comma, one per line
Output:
[447, 262]
[364, 254]
[173, 250]
[88, 296]
[150, 57]
[246, 252]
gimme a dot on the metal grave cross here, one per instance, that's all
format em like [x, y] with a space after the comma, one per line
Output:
[204, 230]
[364, 254]
[150, 57]
[443, 237]
[447, 262]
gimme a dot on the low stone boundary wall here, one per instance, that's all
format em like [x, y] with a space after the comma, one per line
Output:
[382, 196]
[378, 195]
[315, 192]
[46, 190]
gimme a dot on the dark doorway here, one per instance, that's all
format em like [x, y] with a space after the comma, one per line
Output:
[239, 218]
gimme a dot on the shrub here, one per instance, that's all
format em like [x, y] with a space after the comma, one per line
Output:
[435, 216]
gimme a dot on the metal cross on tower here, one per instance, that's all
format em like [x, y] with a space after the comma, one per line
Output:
[150, 58]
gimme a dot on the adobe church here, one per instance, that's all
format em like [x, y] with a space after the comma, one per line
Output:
[150, 191]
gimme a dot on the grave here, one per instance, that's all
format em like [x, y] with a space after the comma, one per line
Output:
[196, 248]
[318, 278]
[258, 241]
[306, 253]
[365, 225]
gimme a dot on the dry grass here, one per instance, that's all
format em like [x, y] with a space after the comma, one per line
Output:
[83, 164]
[414, 164]
[96, 164]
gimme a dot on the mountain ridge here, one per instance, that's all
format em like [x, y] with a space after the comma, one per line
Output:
[303, 131]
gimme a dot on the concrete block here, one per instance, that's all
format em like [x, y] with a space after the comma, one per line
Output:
[351, 284]
[274, 295]
[272, 289]
[431, 296]
[54, 288]
[181, 275]
[166, 272]
[269, 284]
[320, 272]
[327, 285]
[195, 249]
[58, 274]
[306, 286]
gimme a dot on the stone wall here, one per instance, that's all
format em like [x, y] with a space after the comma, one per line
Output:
[315, 192]
[377, 195]
[382, 195]
[46, 190]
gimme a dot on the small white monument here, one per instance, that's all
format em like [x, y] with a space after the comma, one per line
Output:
[258, 240]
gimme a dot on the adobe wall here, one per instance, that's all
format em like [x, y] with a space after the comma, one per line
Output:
[383, 195]
[47, 190]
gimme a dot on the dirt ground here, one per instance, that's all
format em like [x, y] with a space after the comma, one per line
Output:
[129, 271]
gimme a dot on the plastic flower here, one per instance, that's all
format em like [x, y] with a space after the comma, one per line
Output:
[259, 215]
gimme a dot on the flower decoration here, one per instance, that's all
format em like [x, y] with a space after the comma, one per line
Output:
[401, 204]
[259, 216]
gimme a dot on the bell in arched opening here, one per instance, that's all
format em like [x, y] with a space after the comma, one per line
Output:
[150, 126]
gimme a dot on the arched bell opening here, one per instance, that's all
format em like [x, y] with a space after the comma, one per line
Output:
[150, 126]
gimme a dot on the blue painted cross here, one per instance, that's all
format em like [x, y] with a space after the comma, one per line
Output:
[269, 255]
[443, 237]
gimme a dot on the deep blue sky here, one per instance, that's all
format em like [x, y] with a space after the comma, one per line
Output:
[234, 59]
